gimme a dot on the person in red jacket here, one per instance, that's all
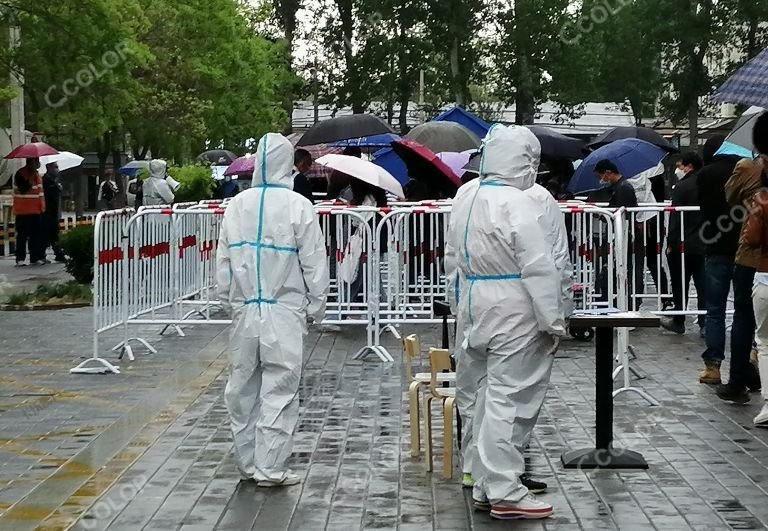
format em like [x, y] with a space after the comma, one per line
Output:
[28, 208]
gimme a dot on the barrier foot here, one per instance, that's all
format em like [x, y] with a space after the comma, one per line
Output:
[190, 313]
[125, 348]
[391, 329]
[105, 367]
[652, 401]
[177, 328]
[379, 350]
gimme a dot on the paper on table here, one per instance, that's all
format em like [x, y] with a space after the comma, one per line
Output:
[597, 311]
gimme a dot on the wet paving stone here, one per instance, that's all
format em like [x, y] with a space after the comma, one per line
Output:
[708, 465]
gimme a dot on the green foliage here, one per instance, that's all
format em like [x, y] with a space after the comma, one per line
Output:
[77, 244]
[53, 293]
[197, 183]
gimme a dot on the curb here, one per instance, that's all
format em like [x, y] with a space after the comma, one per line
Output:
[41, 307]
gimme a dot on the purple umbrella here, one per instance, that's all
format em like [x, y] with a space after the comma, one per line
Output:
[242, 166]
[455, 161]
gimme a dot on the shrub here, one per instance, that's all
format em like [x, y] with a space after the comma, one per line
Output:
[197, 183]
[77, 244]
[70, 291]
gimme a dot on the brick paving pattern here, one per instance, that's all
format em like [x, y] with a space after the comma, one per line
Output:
[707, 464]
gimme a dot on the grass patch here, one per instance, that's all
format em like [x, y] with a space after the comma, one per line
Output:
[60, 293]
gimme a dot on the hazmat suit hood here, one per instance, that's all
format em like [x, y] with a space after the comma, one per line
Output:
[274, 162]
[511, 156]
[158, 169]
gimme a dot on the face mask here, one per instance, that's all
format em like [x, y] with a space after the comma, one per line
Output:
[680, 173]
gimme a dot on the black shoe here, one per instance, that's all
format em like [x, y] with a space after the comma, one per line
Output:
[667, 323]
[730, 394]
[753, 379]
[533, 486]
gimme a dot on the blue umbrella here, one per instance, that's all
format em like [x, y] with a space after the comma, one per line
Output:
[375, 141]
[388, 159]
[739, 141]
[134, 167]
[631, 155]
[749, 85]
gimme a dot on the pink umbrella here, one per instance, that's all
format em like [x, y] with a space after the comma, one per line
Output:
[455, 161]
[242, 166]
[35, 150]
[423, 165]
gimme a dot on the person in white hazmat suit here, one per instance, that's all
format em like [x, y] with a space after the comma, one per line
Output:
[552, 222]
[272, 275]
[156, 189]
[510, 315]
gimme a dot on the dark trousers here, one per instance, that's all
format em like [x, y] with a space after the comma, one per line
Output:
[51, 226]
[694, 269]
[743, 329]
[29, 232]
[719, 273]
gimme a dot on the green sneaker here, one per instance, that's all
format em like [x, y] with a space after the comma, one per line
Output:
[467, 482]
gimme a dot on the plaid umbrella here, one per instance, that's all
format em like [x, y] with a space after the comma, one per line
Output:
[749, 85]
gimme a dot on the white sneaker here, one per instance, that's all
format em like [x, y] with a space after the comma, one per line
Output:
[479, 499]
[287, 481]
[529, 508]
[761, 420]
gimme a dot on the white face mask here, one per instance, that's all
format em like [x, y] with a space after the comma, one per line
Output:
[680, 173]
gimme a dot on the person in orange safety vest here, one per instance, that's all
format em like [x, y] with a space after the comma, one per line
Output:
[28, 207]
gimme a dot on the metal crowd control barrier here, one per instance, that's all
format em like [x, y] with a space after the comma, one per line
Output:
[351, 299]
[138, 279]
[157, 267]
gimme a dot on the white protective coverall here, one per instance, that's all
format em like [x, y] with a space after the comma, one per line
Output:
[557, 236]
[272, 274]
[156, 189]
[509, 308]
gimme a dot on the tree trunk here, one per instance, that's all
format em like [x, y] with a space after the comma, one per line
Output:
[456, 74]
[525, 103]
[404, 92]
[693, 124]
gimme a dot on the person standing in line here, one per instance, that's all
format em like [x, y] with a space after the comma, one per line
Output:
[302, 161]
[721, 239]
[756, 236]
[28, 209]
[619, 193]
[687, 246]
[740, 189]
[509, 318]
[52, 191]
[272, 277]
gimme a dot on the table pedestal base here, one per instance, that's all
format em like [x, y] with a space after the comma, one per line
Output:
[589, 458]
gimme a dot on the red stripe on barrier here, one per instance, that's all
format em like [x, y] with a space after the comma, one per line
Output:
[109, 256]
[682, 248]
[214, 206]
[670, 209]
[167, 211]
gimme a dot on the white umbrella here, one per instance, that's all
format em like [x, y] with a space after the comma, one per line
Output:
[364, 170]
[64, 159]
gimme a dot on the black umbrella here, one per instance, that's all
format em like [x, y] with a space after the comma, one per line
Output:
[444, 136]
[218, 157]
[556, 145]
[344, 128]
[643, 133]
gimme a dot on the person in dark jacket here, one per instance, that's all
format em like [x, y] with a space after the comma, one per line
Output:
[619, 193]
[302, 161]
[684, 244]
[720, 235]
[52, 191]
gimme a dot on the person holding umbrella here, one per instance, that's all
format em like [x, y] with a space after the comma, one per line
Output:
[52, 191]
[28, 207]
